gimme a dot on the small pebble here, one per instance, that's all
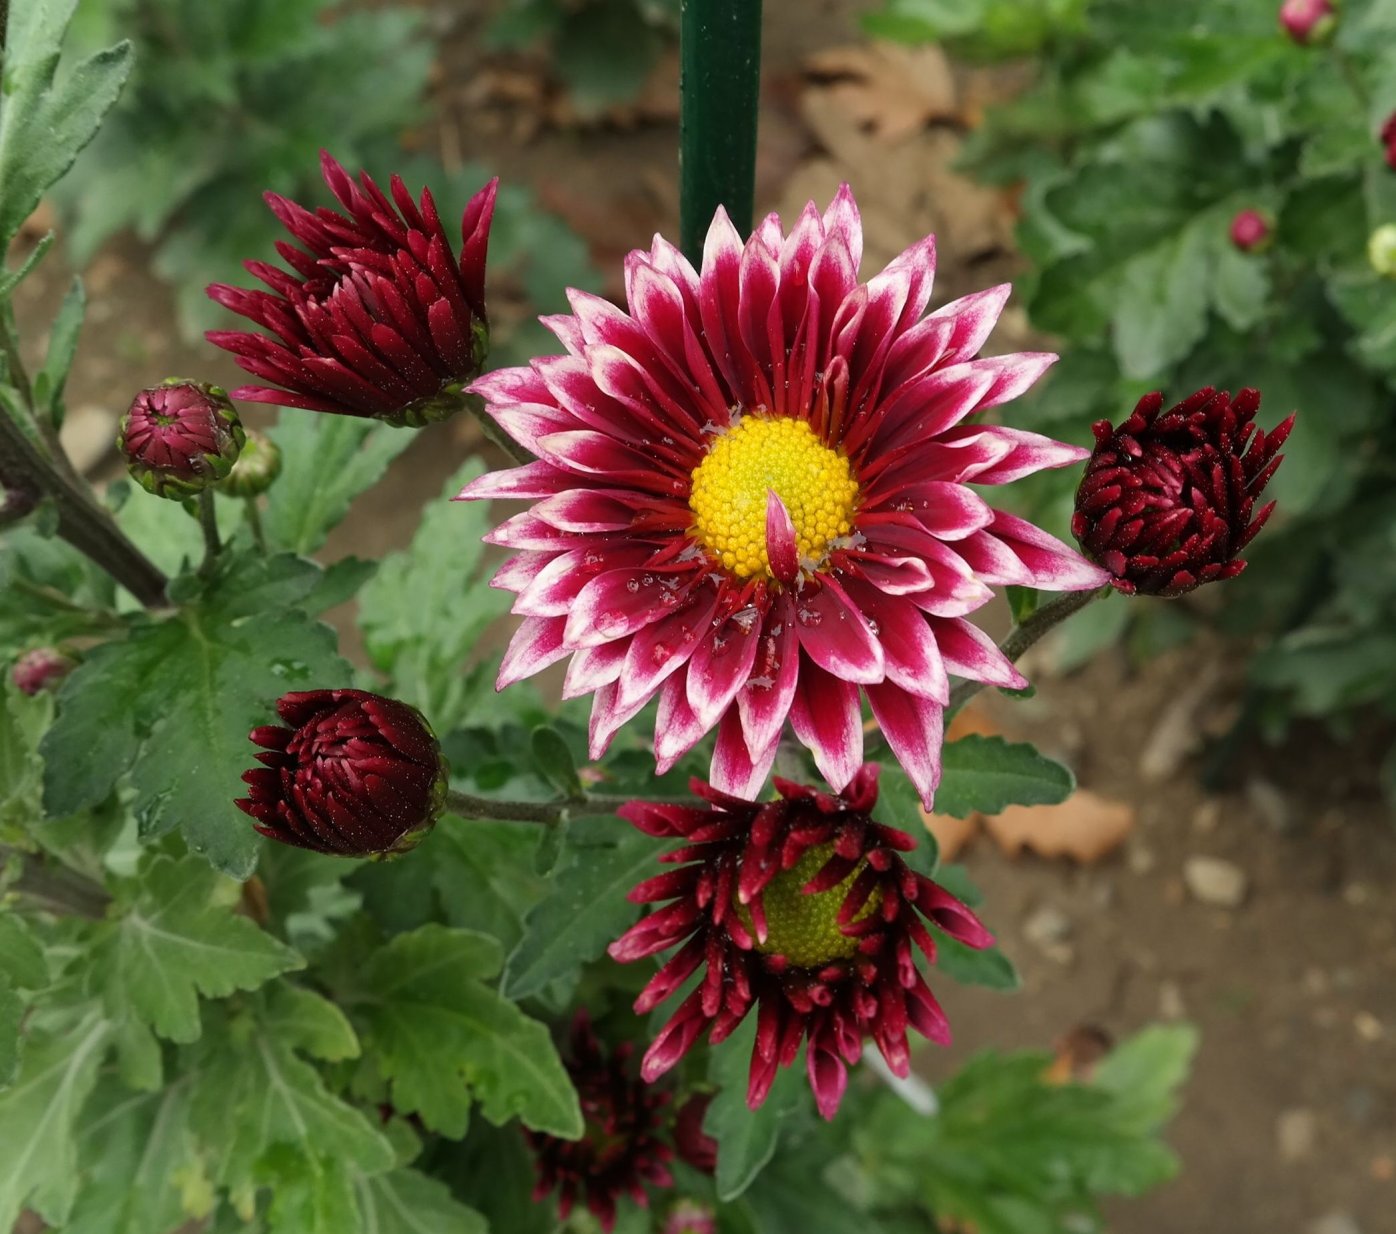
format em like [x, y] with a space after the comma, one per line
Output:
[1295, 1133]
[1141, 859]
[1271, 804]
[1170, 1001]
[1368, 1026]
[1206, 817]
[1334, 1223]
[1212, 880]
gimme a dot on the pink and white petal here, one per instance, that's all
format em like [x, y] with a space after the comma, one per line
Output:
[527, 422]
[608, 717]
[835, 634]
[554, 590]
[782, 549]
[537, 643]
[677, 727]
[735, 769]
[516, 573]
[993, 561]
[1052, 565]
[720, 667]
[827, 716]
[970, 653]
[532, 480]
[594, 453]
[661, 648]
[1028, 452]
[566, 329]
[719, 298]
[593, 667]
[844, 225]
[946, 511]
[526, 533]
[764, 702]
[893, 575]
[618, 603]
[908, 644]
[914, 728]
[916, 413]
[971, 319]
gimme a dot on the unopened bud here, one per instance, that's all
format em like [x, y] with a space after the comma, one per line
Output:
[257, 467]
[1252, 231]
[179, 437]
[39, 668]
[1309, 22]
[1381, 250]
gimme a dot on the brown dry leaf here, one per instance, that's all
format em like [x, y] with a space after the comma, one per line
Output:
[1076, 1053]
[889, 91]
[1084, 827]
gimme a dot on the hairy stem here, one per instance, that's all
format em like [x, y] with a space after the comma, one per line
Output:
[546, 812]
[719, 81]
[254, 522]
[56, 888]
[208, 524]
[1023, 636]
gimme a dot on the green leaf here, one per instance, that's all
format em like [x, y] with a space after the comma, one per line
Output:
[988, 967]
[586, 909]
[985, 774]
[22, 724]
[605, 54]
[173, 945]
[423, 613]
[46, 119]
[174, 704]
[266, 1119]
[1145, 1073]
[747, 1139]
[327, 462]
[141, 1172]
[38, 1121]
[62, 346]
[483, 873]
[21, 956]
[11, 1012]
[444, 1039]
[1159, 314]
[554, 761]
[409, 1202]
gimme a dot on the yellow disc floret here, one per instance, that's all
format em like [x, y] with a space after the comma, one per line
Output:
[757, 454]
[804, 928]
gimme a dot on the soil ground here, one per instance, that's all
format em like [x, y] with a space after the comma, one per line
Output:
[1289, 1121]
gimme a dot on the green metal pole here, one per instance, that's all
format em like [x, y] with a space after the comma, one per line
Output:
[719, 83]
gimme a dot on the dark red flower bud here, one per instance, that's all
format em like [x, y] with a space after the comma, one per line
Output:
[17, 498]
[39, 668]
[1251, 231]
[378, 317]
[1388, 139]
[256, 469]
[352, 773]
[620, 1149]
[1309, 21]
[694, 1145]
[179, 437]
[1168, 498]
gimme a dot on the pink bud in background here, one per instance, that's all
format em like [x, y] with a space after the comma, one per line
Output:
[39, 668]
[1251, 231]
[1308, 21]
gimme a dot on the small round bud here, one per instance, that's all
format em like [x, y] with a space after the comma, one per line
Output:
[351, 773]
[39, 668]
[257, 467]
[1381, 250]
[1168, 499]
[694, 1145]
[1252, 231]
[1309, 22]
[179, 437]
[690, 1217]
[1387, 137]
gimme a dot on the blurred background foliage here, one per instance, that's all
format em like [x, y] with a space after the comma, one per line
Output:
[1145, 129]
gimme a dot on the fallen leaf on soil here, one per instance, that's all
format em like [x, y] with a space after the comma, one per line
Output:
[1076, 1053]
[1084, 827]
[888, 90]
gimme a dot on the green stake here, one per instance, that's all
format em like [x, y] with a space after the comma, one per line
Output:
[719, 83]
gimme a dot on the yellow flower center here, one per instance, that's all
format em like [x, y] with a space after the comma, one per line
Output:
[729, 492]
[805, 928]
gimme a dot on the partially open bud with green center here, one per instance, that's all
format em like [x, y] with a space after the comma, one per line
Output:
[1381, 250]
[802, 910]
[350, 773]
[39, 668]
[257, 467]
[179, 437]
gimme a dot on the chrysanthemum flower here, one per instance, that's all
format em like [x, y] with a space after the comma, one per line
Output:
[348, 773]
[179, 437]
[379, 319]
[751, 499]
[802, 910]
[1168, 498]
[621, 1148]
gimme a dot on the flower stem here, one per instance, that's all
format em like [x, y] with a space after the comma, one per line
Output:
[1023, 636]
[719, 81]
[254, 521]
[208, 524]
[56, 888]
[546, 812]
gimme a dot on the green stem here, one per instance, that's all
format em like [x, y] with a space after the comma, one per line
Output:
[546, 812]
[254, 521]
[55, 888]
[208, 524]
[1023, 636]
[719, 83]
